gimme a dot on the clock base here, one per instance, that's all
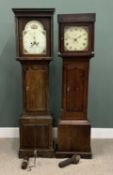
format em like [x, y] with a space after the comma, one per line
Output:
[49, 153]
[84, 155]
[73, 138]
[36, 135]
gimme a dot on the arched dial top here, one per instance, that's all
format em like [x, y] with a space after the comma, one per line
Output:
[76, 38]
[34, 38]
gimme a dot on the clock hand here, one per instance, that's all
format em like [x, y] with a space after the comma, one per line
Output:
[34, 43]
[75, 40]
[37, 43]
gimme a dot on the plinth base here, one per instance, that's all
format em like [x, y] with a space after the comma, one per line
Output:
[84, 155]
[49, 153]
[36, 135]
[73, 138]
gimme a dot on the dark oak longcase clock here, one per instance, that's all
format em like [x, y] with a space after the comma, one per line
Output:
[34, 28]
[76, 47]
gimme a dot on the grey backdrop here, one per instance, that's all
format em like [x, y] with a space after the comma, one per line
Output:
[100, 105]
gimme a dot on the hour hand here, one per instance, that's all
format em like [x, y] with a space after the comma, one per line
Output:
[34, 43]
[75, 39]
[37, 43]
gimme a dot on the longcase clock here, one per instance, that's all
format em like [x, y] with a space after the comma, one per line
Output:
[76, 47]
[34, 28]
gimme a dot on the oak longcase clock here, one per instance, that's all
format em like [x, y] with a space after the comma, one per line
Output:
[76, 47]
[34, 28]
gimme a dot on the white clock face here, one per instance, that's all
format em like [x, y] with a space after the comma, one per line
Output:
[75, 38]
[34, 38]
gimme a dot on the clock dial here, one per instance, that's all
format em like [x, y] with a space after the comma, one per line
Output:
[34, 38]
[75, 38]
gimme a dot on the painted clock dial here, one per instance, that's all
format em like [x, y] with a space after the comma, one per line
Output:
[75, 38]
[34, 38]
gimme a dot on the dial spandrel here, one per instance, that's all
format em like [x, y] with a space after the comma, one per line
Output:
[75, 38]
[34, 38]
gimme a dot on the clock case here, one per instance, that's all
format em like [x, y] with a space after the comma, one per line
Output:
[74, 126]
[36, 120]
